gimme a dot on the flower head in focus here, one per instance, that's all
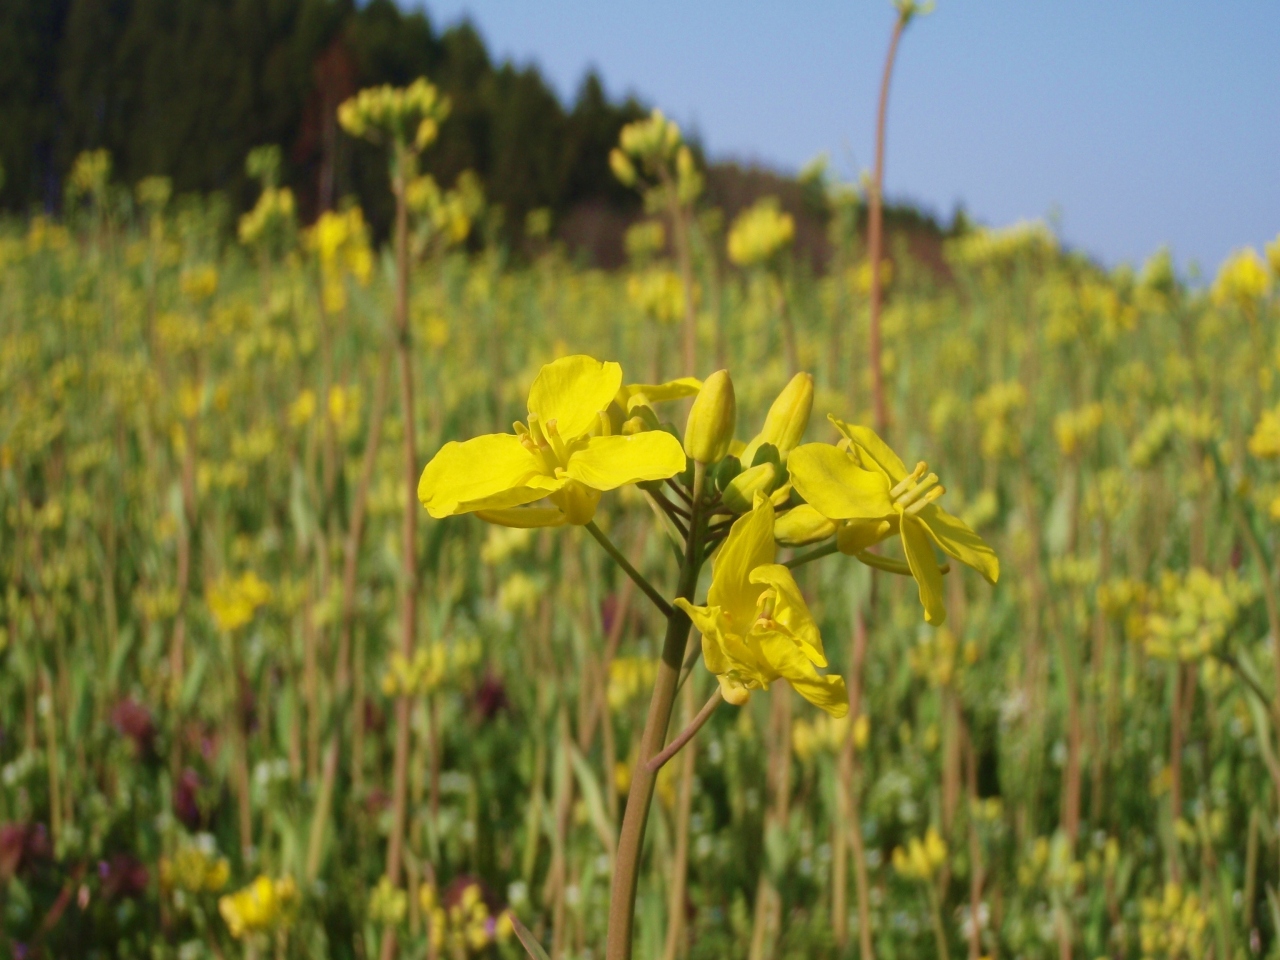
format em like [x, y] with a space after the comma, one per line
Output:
[567, 454]
[864, 487]
[756, 627]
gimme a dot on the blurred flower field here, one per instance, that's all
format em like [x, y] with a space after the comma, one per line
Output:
[207, 677]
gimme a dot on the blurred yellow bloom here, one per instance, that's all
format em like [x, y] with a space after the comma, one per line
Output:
[233, 602]
[199, 283]
[1073, 428]
[195, 870]
[1173, 926]
[760, 232]
[263, 906]
[756, 627]
[1242, 279]
[388, 903]
[1265, 440]
[920, 859]
[567, 454]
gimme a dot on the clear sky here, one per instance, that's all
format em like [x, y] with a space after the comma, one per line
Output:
[1131, 123]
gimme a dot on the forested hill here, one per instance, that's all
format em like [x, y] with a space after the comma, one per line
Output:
[186, 88]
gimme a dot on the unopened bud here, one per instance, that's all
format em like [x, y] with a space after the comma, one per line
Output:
[622, 167]
[712, 418]
[739, 496]
[788, 417]
[802, 525]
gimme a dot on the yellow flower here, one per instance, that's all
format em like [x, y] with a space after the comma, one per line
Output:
[920, 860]
[1265, 441]
[866, 488]
[234, 602]
[262, 906]
[1242, 279]
[759, 233]
[567, 454]
[756, 627]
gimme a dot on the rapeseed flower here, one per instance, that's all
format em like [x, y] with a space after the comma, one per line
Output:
[864, 487]
[567, 454]
[756, 627]
[261, 907]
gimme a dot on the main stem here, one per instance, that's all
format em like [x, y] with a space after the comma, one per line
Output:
[875, 232]
[622, 896]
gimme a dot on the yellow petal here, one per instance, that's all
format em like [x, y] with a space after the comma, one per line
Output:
[709, 624]
[525, 517]
[606, 463]
[571, 391]
[831, 481]
[791, 611]
[578, 501]
[824, 692]
[955, 539]
[488, 472]
[873, 447]
[651, 393]
[749, 545]
[924, 567]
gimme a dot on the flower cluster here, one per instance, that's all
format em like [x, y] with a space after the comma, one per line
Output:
[264, 906]
[465, 925]
[234, 601]
[921, 859]
[428, 668]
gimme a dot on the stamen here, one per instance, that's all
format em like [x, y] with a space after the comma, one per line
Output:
[909, 480]
[918, 491]
[924, 501]
[557, 445]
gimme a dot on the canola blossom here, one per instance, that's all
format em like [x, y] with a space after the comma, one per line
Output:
[756, 627]
[566, 454]
[863, 487]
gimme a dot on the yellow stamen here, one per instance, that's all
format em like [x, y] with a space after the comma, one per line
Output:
[924, 501]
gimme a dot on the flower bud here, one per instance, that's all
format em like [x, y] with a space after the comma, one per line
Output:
[712, 418]
[739, 495]
[788, 418]
[622, 167]
[802, 525]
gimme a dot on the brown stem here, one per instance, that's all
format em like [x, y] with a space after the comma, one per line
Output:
[622, 894]
[875, 230]
[684, 807]
[687, 734]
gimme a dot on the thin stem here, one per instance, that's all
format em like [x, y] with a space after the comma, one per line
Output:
[875, 231]
[667, 507]
[680, 491]
[649, 590]
[823, 551]
[889, 565]
[674, 747]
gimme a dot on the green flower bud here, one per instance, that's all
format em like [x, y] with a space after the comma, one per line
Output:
[739, 495]
[712, 418]
[726, 470]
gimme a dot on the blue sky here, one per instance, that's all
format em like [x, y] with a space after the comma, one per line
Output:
[1132, 123]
